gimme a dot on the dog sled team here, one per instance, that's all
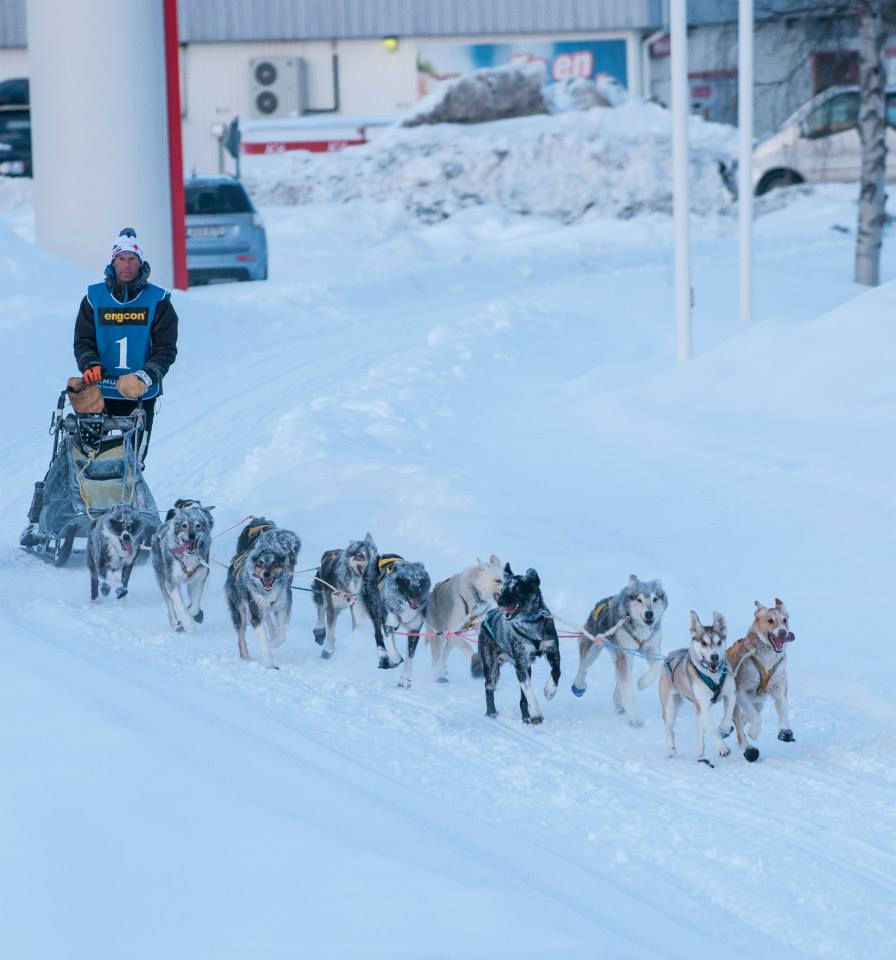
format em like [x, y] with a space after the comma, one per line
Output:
[503, 610]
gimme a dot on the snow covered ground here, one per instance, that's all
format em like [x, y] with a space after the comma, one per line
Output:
[493, 383]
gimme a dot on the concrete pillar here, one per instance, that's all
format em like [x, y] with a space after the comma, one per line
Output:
[99, 129]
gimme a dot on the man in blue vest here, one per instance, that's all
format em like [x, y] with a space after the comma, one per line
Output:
[126, 333]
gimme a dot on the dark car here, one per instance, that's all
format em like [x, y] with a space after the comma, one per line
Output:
[15, 128]
[225, 234]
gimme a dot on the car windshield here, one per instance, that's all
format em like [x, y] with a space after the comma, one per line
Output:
[15, 128]
[217, 198]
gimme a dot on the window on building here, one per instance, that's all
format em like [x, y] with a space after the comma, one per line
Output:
[835, 69]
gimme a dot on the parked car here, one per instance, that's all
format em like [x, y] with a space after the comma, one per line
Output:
[820, 142]
[15, 128]
[225, 234]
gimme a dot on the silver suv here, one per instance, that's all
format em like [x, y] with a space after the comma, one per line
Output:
[225, 234]
[820, 142]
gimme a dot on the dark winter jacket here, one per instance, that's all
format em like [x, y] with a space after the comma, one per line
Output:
[163, 334]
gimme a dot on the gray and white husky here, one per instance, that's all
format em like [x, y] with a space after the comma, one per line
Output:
[460, 603]
[632, 620]
[337, 586]
[259, 594]
[180, 552]
[395, 593]
[112, 547]
[700, 674]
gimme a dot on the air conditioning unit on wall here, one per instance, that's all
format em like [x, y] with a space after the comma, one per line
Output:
[276, 87]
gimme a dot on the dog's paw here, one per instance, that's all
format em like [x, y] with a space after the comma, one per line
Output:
[751, 754]
[386, 664]
[619, 710]
[786, 735]
[550, 688]
[705, 760]
[725, 731]
[121, 592]
[320, 635]
[724, 751]
[491, 713]
[179, 628]
[404, 683]
[578, 691]
[672, 753]
[441, 679]
[326, 654]
[104, 589]
[636, 722]
[535, 721]
[199, 616]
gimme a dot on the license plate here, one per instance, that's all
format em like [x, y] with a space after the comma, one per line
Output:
[206, 231]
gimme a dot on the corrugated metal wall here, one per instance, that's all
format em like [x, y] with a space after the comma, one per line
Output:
[208, 21]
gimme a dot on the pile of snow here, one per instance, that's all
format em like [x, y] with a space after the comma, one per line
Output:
[613, 163]
[496, 93]
[582, 93]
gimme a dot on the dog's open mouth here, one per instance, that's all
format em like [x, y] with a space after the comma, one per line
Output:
[414, 603]
[128, 546]
[777, 640]
[510, 610]
[711, 666]
[267, 582]
[188, 546]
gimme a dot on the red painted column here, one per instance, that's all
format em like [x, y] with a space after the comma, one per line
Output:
[175, 148]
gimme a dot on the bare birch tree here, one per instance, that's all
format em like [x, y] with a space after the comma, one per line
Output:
[873, 137]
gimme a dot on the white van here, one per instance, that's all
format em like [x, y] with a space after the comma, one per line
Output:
[820, 142]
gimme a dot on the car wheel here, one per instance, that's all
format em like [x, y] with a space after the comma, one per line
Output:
[778, 178]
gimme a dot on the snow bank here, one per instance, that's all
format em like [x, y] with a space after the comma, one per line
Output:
[611, 162]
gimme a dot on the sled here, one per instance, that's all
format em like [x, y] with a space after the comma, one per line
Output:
[94, 466]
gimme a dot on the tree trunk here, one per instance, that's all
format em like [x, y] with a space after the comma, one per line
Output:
[873, 136]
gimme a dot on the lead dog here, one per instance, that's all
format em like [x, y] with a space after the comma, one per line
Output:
[180, 552]
[758, 663]
[633, 618]
[112, 547]
[259, 594]
[395, 594]
[457, 604]
[700, 674]
[519, 630]
[337, 586]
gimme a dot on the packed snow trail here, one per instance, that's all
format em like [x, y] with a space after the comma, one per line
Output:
[490, 385]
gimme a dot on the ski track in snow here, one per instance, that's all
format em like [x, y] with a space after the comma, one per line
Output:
[439, 387]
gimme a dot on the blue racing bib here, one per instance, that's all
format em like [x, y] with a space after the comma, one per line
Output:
[123, 334]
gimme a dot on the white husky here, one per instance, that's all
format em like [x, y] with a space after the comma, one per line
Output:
[700, 674]
[458, 603]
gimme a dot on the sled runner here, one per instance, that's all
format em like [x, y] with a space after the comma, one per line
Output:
[94, 466]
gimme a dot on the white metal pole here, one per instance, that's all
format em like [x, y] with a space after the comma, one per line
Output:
[99, 130]
[681, 109]
[745, 160]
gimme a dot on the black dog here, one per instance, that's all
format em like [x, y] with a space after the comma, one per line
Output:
[520, 630]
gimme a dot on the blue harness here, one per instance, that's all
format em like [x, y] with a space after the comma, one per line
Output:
[677, 657]
[123, 334]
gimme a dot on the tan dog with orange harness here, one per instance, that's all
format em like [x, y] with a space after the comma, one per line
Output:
[758, 663]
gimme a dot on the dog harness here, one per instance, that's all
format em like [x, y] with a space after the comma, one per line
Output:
[384, 565]
[765, 676]
[677, 657]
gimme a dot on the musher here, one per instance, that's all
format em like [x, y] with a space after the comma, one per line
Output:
[126, 334]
